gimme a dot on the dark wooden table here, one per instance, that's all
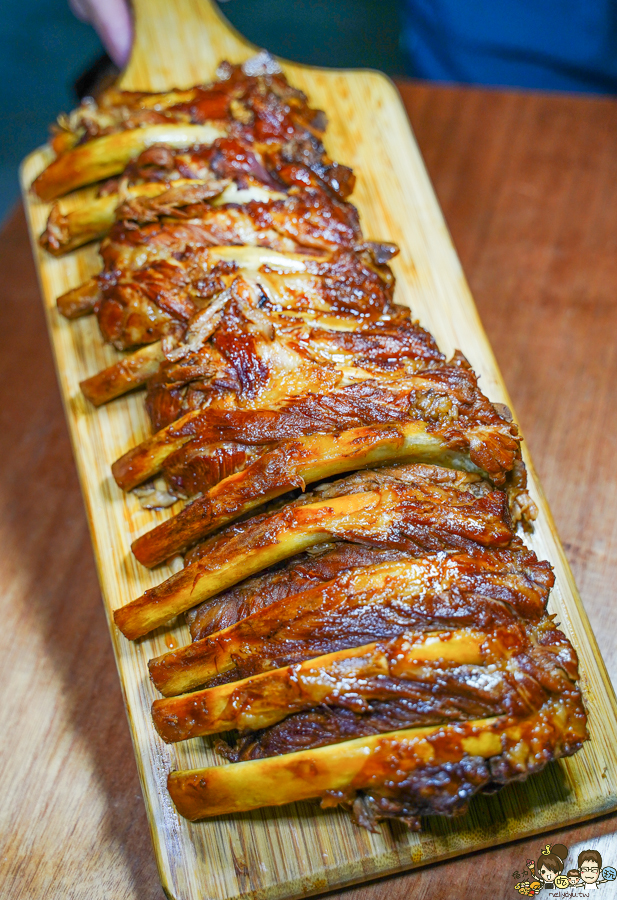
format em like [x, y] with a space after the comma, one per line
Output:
[528, 185]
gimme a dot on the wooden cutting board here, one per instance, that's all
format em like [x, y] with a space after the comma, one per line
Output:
[298, 850]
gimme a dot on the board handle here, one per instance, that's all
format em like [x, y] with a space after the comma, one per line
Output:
[179, 43]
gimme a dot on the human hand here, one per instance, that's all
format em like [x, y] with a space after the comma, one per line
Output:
[111, 20]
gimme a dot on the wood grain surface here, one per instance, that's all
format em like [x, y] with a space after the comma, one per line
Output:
[71, 800]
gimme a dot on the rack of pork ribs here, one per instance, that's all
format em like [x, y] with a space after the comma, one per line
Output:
[368, 627]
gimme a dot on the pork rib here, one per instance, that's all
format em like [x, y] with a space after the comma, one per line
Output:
[381, 640]
[401, 774]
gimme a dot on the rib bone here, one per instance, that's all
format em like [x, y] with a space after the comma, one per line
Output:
[105, 156]
[128, 373]
[79, 301]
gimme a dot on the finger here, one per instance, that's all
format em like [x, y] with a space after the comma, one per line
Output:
[81, 9]
[112, 21]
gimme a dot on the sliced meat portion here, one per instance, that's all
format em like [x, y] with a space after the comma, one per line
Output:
[444, 397]
[415, 679]
[420, 510]
[100, 138]
[299, 574]
[402, 774]
[360, 606]
[518, 675]
[154, 288]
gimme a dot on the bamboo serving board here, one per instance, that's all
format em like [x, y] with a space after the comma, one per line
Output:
[293, 851]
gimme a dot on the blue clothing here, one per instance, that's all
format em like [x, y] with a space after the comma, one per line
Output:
[564, 45]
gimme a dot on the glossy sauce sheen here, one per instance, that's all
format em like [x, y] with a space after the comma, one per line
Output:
[388, 647]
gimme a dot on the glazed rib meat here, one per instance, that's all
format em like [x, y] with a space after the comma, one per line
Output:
[425, 593]
[322, 563]
[368, 628]
[307, 221]
[364, 640]
[416, 679]
[270, 296]
[445, 398]
[402, 774]
[98, 140]
[412, 508]
[163, 295]
[162, 180]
